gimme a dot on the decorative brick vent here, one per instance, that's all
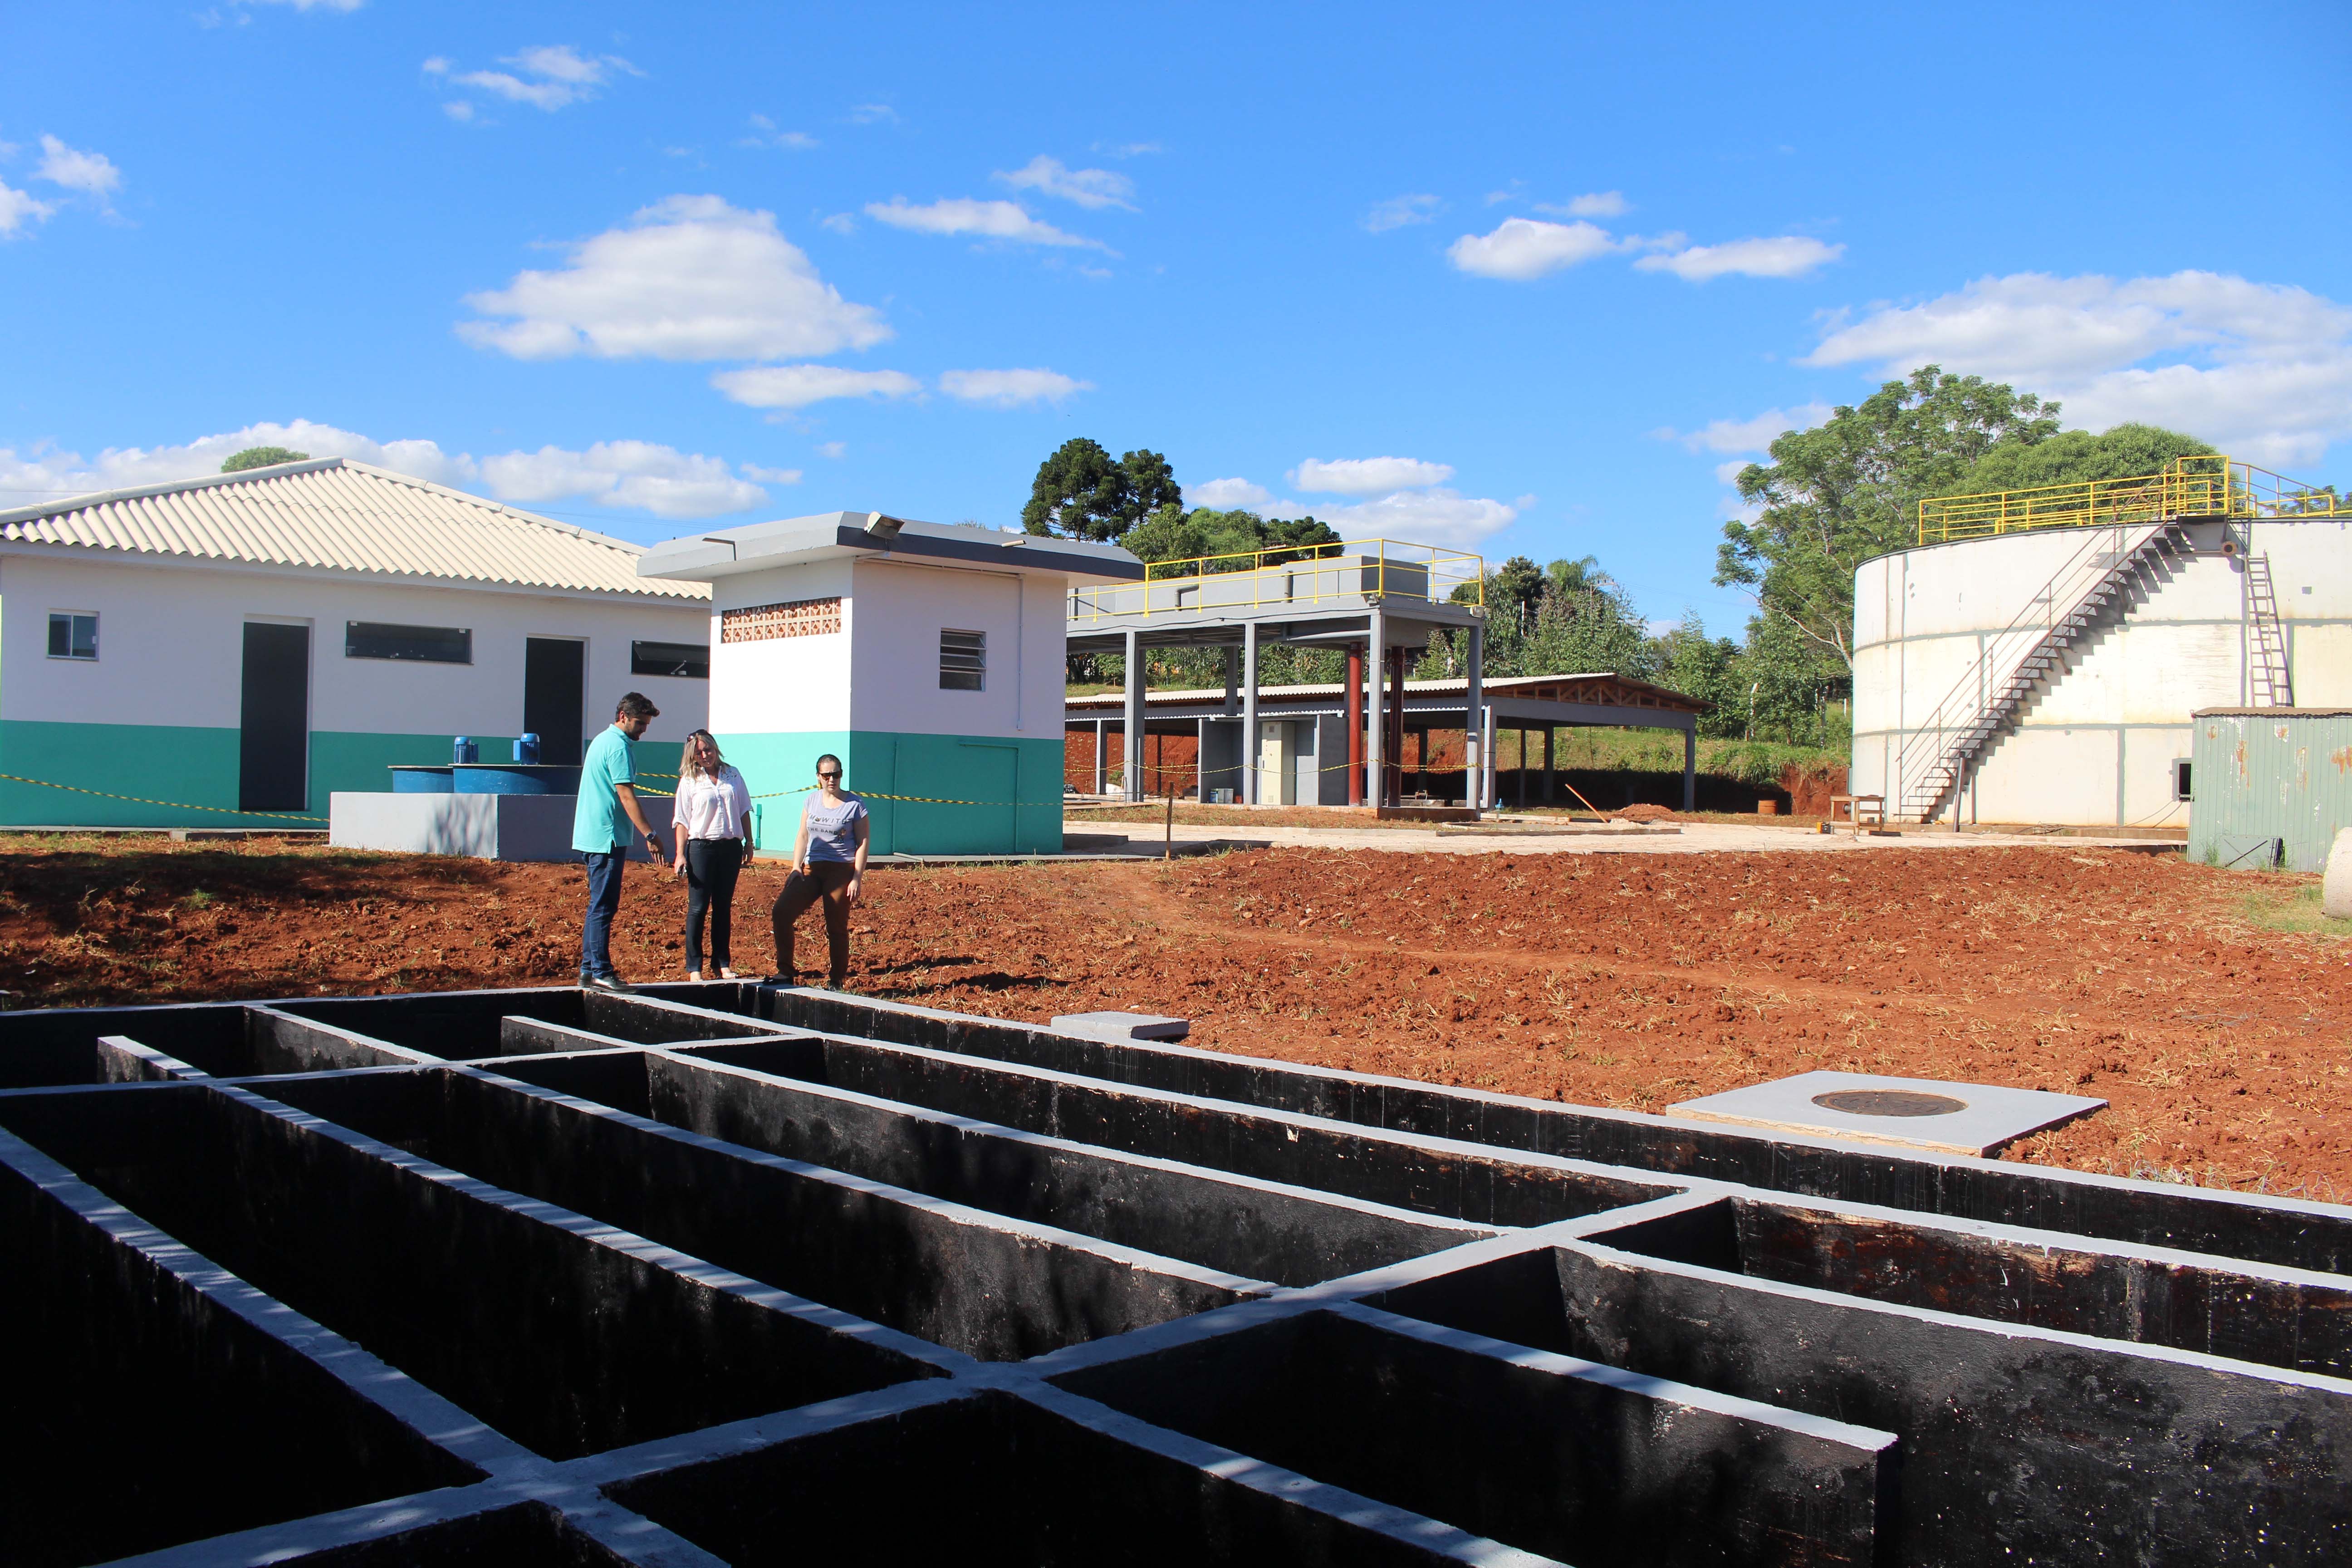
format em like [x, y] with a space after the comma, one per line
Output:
[793, 618]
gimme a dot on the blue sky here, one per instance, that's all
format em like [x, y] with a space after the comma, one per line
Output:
[1520, 280]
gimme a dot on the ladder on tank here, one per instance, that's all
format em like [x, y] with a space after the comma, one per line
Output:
[2270, 683]
[1934, 760]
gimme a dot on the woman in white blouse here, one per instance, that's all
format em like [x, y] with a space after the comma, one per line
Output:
[714, 842]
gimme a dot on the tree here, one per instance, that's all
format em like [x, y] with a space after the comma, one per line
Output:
[1081, 493]
[1691, 662]
[262, 458]
[2125, 452]
[1836, 495]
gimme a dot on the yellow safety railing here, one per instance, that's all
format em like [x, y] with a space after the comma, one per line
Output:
[2213, 486]
[1280, 575]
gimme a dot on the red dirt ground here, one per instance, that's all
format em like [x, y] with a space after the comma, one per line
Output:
[1617, 980]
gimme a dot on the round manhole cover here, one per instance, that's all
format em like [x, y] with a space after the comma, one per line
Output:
[1889, 1103]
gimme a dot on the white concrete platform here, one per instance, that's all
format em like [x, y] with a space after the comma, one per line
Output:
[531, 827]
[1124, 1027]
[1914, 1113]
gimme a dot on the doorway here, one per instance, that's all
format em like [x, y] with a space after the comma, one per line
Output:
[273, 762]
[554, 693]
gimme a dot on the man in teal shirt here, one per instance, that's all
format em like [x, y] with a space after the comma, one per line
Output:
[608, 791]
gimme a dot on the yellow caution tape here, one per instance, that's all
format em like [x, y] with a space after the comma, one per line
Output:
[173, 805]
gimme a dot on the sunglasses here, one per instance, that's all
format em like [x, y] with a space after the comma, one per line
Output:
[828, 776]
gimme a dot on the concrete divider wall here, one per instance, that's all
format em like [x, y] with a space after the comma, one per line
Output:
[652, 1280]
[2235, 1224]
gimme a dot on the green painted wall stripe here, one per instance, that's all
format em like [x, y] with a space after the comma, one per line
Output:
[196, 766]
[1018, 783]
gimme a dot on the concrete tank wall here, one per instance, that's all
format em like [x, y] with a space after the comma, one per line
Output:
[2095, 745]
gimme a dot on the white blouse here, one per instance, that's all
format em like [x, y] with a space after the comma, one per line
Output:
[712, 808]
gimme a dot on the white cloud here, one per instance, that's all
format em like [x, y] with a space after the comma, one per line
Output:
[1009, 388]
[1786, 255]
[46, 474]
[798, 385]
[1413, 507]
[764, 133]
[656, 478]
[344, 5]
[1222, 495]
[769, 475]
[554, 76]
[1597, 203]
[690, 277]
[1521, 248]
[873, 114]
[1091, 188]
[992, 220]
[1728, 471]
[1368, 476]
[833, 449]
[17, 210]
[1398, 211]
[1423, 517]
[93, 173]
[640, 474]
[1127, 148]
[2262, 369]
[458, 109]
[1753, 435]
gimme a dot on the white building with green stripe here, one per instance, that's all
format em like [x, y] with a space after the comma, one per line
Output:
[228, 651]
[927, 656]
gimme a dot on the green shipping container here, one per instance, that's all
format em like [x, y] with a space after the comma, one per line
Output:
[2268, 786]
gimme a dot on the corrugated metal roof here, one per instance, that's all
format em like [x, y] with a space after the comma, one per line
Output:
[350, 517]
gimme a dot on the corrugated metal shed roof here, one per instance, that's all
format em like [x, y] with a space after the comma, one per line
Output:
[345, 516]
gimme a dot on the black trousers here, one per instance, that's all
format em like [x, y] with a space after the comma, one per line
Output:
[711, 868]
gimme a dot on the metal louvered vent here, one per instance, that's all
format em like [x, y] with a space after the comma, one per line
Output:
[963, 660]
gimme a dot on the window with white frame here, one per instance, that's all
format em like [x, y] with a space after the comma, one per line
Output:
[963, 660]
[73, 634]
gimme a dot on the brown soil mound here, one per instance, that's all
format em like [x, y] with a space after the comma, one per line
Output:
[1644, 813]
[1621, 979]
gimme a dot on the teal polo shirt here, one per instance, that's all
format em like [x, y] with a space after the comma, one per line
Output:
[598, 823]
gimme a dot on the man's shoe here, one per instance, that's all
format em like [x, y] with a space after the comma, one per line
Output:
[608, 982]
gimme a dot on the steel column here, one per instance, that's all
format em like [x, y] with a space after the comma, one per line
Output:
[1690, 768]
[1355, 724]
[1474, 775]
[1133, 739]
[1250, 792]
[1375, 717]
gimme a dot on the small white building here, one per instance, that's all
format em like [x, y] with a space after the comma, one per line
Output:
[927, 656]
[182, 655]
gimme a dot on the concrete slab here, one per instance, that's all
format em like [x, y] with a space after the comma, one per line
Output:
[1124, 1026]
[519, 827]
[1681, 839]
[1914, 1113]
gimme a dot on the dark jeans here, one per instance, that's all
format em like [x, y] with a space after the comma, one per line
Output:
[603, 903]
[712, 865]
[827, 880]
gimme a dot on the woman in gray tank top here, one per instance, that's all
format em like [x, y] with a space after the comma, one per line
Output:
[828, 867]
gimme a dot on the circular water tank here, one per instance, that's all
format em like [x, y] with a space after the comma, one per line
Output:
[2167, 627]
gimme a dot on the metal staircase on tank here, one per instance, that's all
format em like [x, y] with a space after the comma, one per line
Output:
[1938, 748]
[2129, 523]
[2271, 684]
